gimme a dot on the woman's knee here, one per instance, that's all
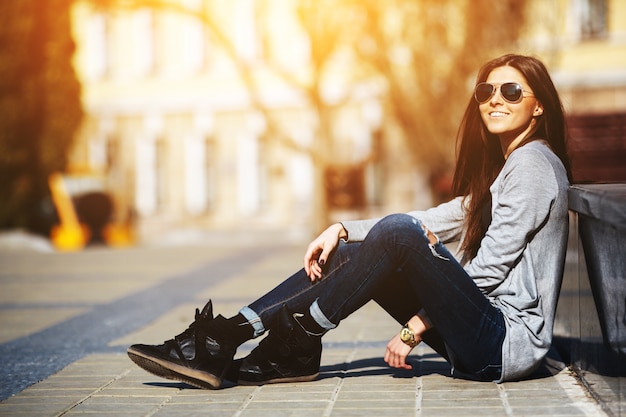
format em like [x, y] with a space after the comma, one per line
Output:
[398, 224]
[399, 221]
[409, 224]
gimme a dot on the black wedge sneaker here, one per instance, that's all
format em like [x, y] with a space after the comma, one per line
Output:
[200, 356]
[288, 354]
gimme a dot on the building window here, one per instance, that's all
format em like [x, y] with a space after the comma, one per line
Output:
[144, 39]
[200, 162]
[97, 154]
[246, 39]
[210, 172]
[97, 47]
[248, 184]
[112, 154]
[263, 172]
[194, 46]
[162, 171]
[152, 180]
[592, 18]
[194, 42]
[145, 185]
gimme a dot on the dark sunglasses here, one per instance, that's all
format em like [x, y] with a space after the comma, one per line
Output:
[511, 92]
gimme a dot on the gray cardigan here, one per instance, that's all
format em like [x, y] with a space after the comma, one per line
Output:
[519, 265]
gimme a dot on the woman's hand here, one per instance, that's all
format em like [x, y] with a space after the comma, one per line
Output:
[318, 251]
[397, 352]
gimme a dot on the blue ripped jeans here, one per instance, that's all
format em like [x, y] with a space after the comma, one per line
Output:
[398, 267]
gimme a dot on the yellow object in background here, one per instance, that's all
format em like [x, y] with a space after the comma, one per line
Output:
[118, 235]
[69, 235]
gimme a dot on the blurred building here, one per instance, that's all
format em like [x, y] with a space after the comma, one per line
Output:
[174, 134]
[584, 44]
[173, 131]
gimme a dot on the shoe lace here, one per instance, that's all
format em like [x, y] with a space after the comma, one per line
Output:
[199, 320]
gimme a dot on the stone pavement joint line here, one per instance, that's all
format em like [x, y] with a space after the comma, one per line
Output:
[353, 380]
[160, 406]
[505, 401]
[247, 402]
[82, 400]
[418, 396]
[333, 398]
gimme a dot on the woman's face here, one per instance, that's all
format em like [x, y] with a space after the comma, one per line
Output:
[510, 121]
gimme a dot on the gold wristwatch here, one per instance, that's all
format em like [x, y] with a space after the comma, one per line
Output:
[408, 336]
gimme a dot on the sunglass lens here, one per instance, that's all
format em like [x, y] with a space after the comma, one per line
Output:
[483, 92]
[511, 91]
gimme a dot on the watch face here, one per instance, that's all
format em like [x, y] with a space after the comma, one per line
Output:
[405, 334]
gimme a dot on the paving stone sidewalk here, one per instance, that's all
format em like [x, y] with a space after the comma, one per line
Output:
[71, 316]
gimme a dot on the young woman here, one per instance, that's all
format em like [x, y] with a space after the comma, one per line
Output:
[490, 312]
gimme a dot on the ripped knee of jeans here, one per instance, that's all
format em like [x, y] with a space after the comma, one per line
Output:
[432, 238]
[432, 241]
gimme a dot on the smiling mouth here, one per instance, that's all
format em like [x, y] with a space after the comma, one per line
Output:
[497, 114]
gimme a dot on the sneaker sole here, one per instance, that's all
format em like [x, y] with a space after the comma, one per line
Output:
[169, 370]
[303, 378]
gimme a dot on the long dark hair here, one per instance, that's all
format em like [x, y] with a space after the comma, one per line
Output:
[479, 155]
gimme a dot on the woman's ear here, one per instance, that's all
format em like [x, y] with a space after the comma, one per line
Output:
[538, 110]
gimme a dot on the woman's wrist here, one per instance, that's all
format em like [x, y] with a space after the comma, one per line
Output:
[418, 325]
[342, 233]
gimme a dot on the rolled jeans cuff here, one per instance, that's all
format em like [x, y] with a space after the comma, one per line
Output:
[254, 320]
[319, 317]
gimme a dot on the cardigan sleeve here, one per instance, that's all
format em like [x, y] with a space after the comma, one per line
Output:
[444, 220]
